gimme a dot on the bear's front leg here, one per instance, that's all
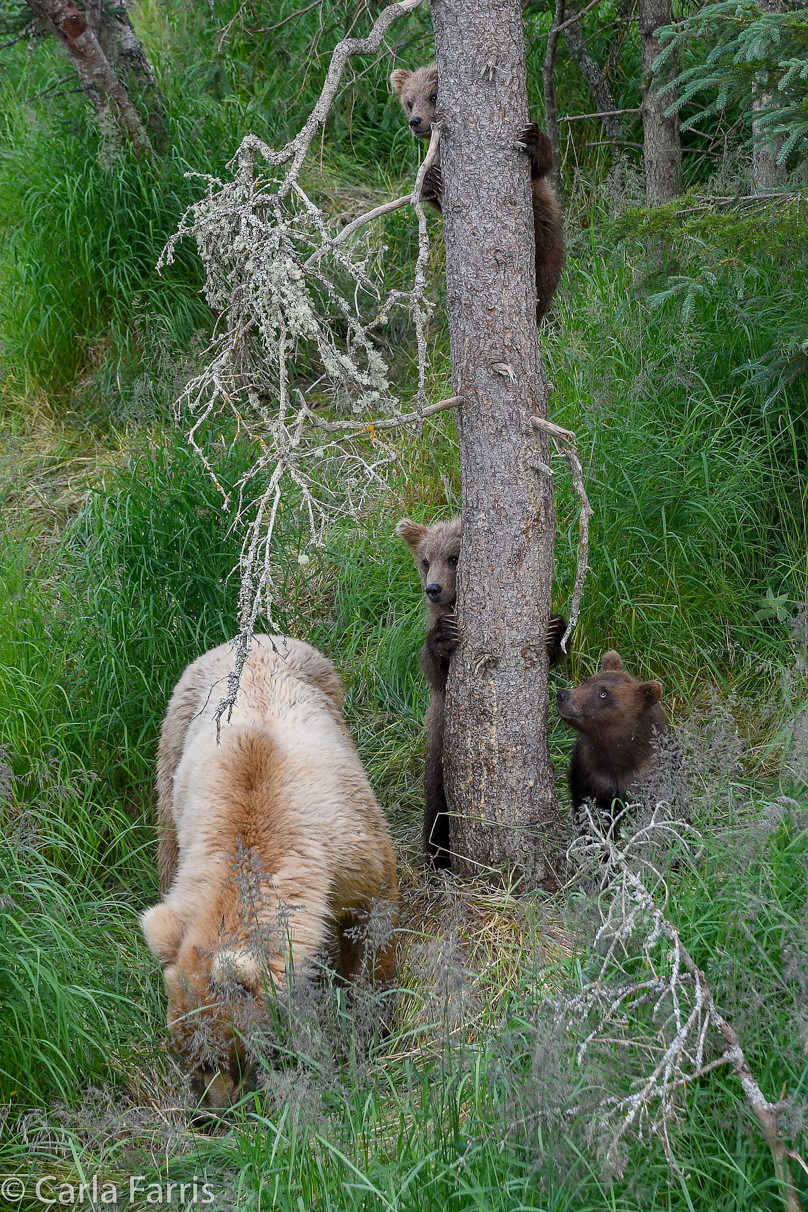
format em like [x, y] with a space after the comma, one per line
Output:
[441, 641]
[432, 188]
[537, 144]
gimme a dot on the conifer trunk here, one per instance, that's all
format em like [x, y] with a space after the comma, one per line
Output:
[498, 776]
[662, 148]
[767, 174]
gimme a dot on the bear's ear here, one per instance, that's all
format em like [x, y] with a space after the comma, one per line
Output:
[610, 661]
[399, 78]
[163, 931]
[653, 692]
[235, 967]
[411, 532]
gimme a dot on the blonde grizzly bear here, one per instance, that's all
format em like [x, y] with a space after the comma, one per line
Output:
[436, 551]
[418, 93]
[271, 848]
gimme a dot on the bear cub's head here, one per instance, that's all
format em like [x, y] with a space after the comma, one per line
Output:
[436, 550]
[418, 93]
[612, 707]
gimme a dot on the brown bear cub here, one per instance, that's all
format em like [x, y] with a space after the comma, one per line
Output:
[436, 550]
[619, 720]
[418, 93]
[272, 850]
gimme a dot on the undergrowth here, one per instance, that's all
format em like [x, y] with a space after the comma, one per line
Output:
[674, 349]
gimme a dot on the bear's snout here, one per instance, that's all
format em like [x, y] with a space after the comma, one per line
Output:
[433, 591]
[565, 703]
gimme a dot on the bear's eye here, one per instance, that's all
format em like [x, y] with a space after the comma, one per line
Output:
[409, 105]
[603, 694]
[425, 564]
[453, 561]
[433, 98]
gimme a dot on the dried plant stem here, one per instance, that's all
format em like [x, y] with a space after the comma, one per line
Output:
[565, 443]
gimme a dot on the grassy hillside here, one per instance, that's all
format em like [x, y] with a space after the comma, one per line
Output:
[671, 350]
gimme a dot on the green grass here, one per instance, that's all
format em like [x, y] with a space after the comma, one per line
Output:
[669, 352]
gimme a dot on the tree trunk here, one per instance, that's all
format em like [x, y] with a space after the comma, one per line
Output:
[498, 776]
[662, 148]
[767, 174]
[94, 68]
[596, 80]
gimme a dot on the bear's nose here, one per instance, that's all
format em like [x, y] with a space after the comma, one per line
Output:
[562, 697]
[415, 121]
[434, 591]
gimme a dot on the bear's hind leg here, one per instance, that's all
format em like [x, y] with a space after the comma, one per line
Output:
[436, 821]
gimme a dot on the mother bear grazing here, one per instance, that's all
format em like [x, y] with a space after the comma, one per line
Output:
[271, 847]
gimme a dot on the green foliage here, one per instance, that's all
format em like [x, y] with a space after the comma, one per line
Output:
[675, 353]
[746, 51]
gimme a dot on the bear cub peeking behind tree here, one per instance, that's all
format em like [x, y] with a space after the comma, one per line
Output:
[418, 93]
[619, 720]
[436, 550]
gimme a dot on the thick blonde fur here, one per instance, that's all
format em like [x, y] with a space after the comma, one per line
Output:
[271, 843]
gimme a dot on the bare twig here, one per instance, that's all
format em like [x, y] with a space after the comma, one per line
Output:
[565, 443]
[225, 34]
[606, 113]
[575, 17]
[25, 32]
[268, 29]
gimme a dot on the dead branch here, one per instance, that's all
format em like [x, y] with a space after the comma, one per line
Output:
[606, 113]
[633, 926]
[276, 278]
[370, 427]
[296, 149]
[25, 32]
[565, 443]
[575, 17]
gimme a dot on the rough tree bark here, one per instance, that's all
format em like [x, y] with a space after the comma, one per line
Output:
[498, 775]
[662, 148]
[767, 174]
[94, 69]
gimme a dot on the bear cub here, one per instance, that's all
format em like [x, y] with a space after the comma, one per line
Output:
[418, 93]
[436, 550]
[619, 720]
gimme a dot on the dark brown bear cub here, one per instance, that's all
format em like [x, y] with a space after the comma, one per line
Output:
[436, 550]
[418, 92]
[619, 720]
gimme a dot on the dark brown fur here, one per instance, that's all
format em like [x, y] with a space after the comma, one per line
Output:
[618, 718]
[418, 92]
[436, 551]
